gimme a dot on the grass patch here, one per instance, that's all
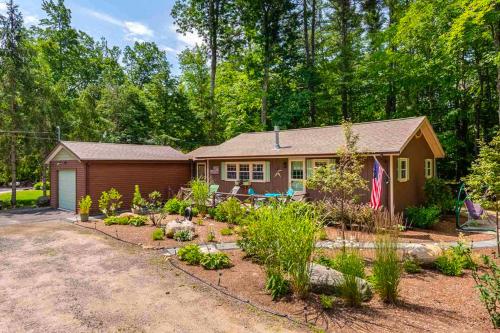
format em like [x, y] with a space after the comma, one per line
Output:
[25, 198]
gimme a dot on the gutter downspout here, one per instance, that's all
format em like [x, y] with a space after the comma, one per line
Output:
[391, 183]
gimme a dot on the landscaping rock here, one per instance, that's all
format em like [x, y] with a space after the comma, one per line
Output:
[43, 201]
[425, 254]
[127, 214]
[327, 280]
[208, 249]
[174, 226]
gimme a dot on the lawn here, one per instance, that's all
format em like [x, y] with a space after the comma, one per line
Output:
[25, 198]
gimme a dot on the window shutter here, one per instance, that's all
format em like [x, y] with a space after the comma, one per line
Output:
[309, 168]
[267, 172]
[223, 171]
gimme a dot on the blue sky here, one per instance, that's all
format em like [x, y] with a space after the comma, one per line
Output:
[121, 22]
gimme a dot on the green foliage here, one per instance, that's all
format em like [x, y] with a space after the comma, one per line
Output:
[488, 284]
[230, 211]
[277, 285]
[183, 235]
[411, 266]
[226, 231]
[216, 260]
[183, 204]
[84, 204]
[158, 234]
[211, 236]
[191, 254]
[353, 213]
[138, 201]
[172, 206]
[438, 193]
[200, 192]
[485, 172]
[154, 206]
[195, 212]
[137, 221]
[110, 202]
[120, 220]
[386, 268]
[283, 239]
[326, 301]
[27, 198]
[450, 263]
[423, 217]
[39, 186]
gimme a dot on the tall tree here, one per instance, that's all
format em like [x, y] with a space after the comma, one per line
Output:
[13, 70]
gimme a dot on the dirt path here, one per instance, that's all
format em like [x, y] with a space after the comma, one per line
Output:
[55, 277]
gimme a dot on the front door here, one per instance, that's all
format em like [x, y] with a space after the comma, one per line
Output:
[201, 170]
[297, 175]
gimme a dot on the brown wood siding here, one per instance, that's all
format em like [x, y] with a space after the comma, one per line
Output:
[166, 178]
[411, 192]
[278, 183]
[95, 177]
[55, 166]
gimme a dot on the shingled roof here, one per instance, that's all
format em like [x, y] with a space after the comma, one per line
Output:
[387, 136]
[95, 151]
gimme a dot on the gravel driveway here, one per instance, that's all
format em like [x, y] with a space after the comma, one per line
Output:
[55, 277]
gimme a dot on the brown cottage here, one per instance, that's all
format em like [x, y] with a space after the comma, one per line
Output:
[276, 161]
[81, 168]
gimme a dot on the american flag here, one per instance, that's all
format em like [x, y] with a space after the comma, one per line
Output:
[378, 174]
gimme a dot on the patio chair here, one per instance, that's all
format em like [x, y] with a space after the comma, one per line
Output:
[477, 218]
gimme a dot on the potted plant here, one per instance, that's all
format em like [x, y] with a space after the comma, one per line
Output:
[84, 205]
[138, 202]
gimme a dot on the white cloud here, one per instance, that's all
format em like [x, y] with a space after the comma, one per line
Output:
[3, 8]
[133, 30]
[31, 20]
[170, 49]
[190, 39]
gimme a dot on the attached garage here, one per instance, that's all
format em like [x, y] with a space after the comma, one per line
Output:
[88, 168]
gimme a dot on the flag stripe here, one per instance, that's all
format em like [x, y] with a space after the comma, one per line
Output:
[376, 195]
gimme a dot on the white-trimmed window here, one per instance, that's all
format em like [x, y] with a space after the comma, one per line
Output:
[231, 171]
[201, 170]
[403, 169]
[428, 166]
[246, 171]
[320, 163]
[258, 171]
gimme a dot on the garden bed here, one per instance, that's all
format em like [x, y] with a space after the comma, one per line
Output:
[443, 231]
[143, 235]
[429, 302]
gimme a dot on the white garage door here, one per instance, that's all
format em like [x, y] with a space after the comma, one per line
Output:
[67, 189]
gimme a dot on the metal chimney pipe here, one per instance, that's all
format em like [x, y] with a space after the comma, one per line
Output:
[276, 137]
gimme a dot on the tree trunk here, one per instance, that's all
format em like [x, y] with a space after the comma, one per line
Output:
[497, 47]
[312, 78]
[265, 82]
[44, 180]
[13, 170]
[213, 60]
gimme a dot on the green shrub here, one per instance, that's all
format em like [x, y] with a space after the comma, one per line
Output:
[276, 285]
[138, 202]
[464, 251]
[217, 260]
[84, 204]
[282, 237]
[322, 235]
[183, 235]
[230, 211]
[423, 217]
[411, 266]
[195, 211]
[39, 186]
[158, 234]
[326, 301]
[121, 220]
[200, 191]
[154, 207]
[450, 263]
[354, 213]
[183, 204]
[488, 284]
[110, 202]
[137, 221]
[191, 254]
[172, 206]
[351, 264]
[212, 212]
[211, 236]
[438, 193]
[386, 268]
[226, 232]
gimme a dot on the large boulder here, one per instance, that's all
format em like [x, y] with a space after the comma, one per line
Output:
[425, 254]
[178, 225]
[328, 281]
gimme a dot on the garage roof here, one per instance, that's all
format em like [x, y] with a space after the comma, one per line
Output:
[96, 151]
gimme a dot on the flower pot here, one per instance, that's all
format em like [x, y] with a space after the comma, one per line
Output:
[84, 217]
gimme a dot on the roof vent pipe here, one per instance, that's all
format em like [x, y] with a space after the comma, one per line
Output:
[276, 137]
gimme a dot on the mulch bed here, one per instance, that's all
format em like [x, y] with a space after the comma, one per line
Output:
[430, 302]
[142, 235]
[443, 231]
